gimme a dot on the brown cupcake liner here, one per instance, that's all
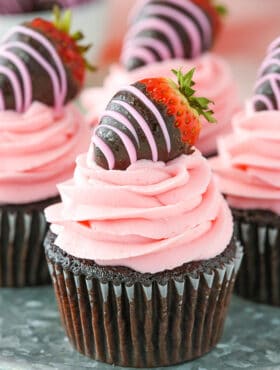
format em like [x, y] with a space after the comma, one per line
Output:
[22, 232]
[139, 325]
[259, 276]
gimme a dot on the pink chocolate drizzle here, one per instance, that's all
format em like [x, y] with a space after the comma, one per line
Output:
[127, 142]
[267, 92]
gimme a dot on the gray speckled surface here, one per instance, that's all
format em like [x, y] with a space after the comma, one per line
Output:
[31, 336]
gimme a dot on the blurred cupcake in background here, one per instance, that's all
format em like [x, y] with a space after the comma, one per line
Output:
[173, 34]
[88, 15]
[118, 12]
[27, 6]
[248, 170]
[16, 6]
[243, 22]
[251, 23]
[41, 133]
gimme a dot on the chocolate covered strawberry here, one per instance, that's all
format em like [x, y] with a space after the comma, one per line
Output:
[154, 119]
[41, 61]
[169, 29]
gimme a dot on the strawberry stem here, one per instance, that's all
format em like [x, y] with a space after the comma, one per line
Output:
[200, 104]
[90, 67]
[221, 9]
[62, 21]
[77, 36]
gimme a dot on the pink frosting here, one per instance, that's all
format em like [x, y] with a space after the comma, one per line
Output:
[248, 165]
[213, 80]
[38, 150]
[151, 217]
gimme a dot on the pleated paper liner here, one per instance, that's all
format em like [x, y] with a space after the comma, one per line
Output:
[161, 320]
[259, 277]
[22, 232]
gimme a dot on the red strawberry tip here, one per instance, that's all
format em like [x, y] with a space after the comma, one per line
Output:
[199, 104]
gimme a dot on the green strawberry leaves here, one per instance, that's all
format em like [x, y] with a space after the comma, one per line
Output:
[200, 104]
[62, 21]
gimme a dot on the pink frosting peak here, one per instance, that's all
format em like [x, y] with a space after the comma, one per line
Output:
[150, 217]
[213, 80]
[248, 165]
[38, 150]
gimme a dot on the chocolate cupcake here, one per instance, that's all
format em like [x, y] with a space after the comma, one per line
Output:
[41, 133]
[248, 168]
[140, 249]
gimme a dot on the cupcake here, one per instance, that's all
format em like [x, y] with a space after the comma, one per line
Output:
[27, 6]
[161, 37]
[41, 133]
[140, 250]
[248, 169]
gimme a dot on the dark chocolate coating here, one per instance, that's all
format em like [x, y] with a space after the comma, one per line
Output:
[46, 4]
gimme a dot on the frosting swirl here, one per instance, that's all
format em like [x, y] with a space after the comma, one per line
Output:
[38, 150]
[249, 161]
[213, 79]
[151, 217]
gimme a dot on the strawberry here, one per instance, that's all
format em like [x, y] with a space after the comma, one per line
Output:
[180, 103]
[154, 118]
[170, 29]
[47, 63]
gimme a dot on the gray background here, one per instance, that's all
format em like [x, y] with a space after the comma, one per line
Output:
[31, 336]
